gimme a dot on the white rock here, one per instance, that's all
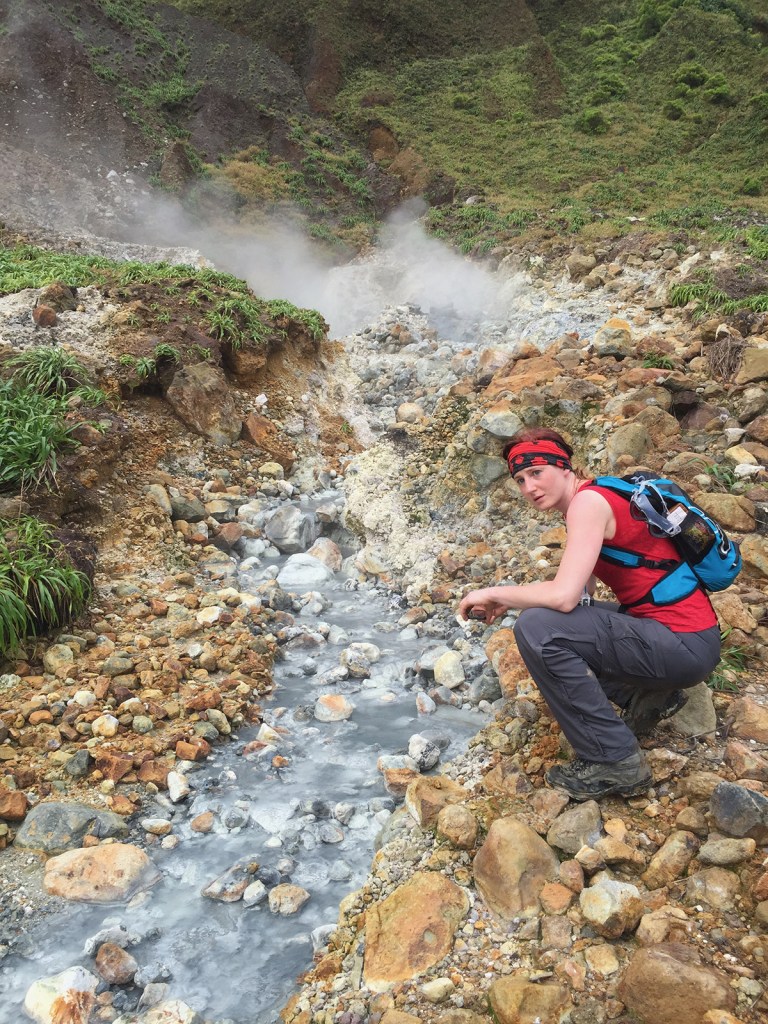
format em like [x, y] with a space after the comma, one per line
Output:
[304, 572]
[255, 893]
[170, 1011]
[449, 671]
[156, 826]
[178, 787]
[105, 725]
[424, 703]
[68, 997]
[84, 698]
[207, 616]
[267, 734]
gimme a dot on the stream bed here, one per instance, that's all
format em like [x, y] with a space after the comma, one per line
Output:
[312, 823]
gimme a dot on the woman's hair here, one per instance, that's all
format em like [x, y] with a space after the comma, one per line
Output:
[538, 434]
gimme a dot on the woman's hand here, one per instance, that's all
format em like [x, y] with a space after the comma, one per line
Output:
[485, 605]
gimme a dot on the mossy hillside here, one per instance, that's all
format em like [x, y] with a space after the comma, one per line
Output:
[633, 136]
[372, 33]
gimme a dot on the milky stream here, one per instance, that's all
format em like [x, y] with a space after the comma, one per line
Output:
[226, 960]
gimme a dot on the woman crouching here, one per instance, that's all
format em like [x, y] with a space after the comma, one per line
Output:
[583, 656]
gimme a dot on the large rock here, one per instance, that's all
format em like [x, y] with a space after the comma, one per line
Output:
[613, 339]
[732, 511]
[487, 468]
[670, 861]
[697, 717]
[54, 827]
[754, 551]
[291, 530]
[111, 873]
[628, 445]
[502, 421]
[264, 434]
[515, 1000]
[412, 929]
[750, 720]
[304, 572]
[200, 397]
[512, 867]
[754, 365]
[669, 985]
[169, 1011]
[740, 812]
[65, 998]
[716, 887]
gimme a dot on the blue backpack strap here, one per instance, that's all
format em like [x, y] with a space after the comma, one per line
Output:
[633, 559]
[675, 586]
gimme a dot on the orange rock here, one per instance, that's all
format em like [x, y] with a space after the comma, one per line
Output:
[44, 316]
[121, 805]
[203, 823]
[555, 898]
[193, 749]
[203, 701]
[115, 965]
[13, 805]
[155, 772]
[113, 765]
[412, 928]
[37, 717]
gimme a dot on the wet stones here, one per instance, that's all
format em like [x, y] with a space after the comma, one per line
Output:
[333, 707]
[286, 899]
[110, 873]
[68, 996]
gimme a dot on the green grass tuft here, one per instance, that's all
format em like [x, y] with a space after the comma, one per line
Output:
[39, 588]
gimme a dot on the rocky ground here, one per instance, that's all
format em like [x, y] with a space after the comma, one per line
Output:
[512, 901]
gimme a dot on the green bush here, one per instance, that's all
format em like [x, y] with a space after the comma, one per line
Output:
[596, 33]
[35, 431]
[592, 121]
[674, 110]
[718, 92]
[691, 74]
[39, 587]
[48, 369]
[608, 86]
[752, 186]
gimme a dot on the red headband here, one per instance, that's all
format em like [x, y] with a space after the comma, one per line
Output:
[536, 453]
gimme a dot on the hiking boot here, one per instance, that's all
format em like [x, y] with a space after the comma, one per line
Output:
[647, 708]
[589, 780]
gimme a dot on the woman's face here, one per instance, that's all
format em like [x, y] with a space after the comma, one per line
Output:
[543, 486]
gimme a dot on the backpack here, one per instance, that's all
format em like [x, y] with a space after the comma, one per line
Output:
[710, 559]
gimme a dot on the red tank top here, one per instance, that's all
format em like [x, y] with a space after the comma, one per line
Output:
[689, 615]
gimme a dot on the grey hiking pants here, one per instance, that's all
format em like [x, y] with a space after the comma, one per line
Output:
[583, 659]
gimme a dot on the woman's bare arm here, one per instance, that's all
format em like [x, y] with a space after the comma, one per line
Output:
[588, 519]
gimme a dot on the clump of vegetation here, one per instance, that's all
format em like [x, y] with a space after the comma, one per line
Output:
[50, 370]
[733, 661]
[35, 431]
[39, 587]
[657, 361]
